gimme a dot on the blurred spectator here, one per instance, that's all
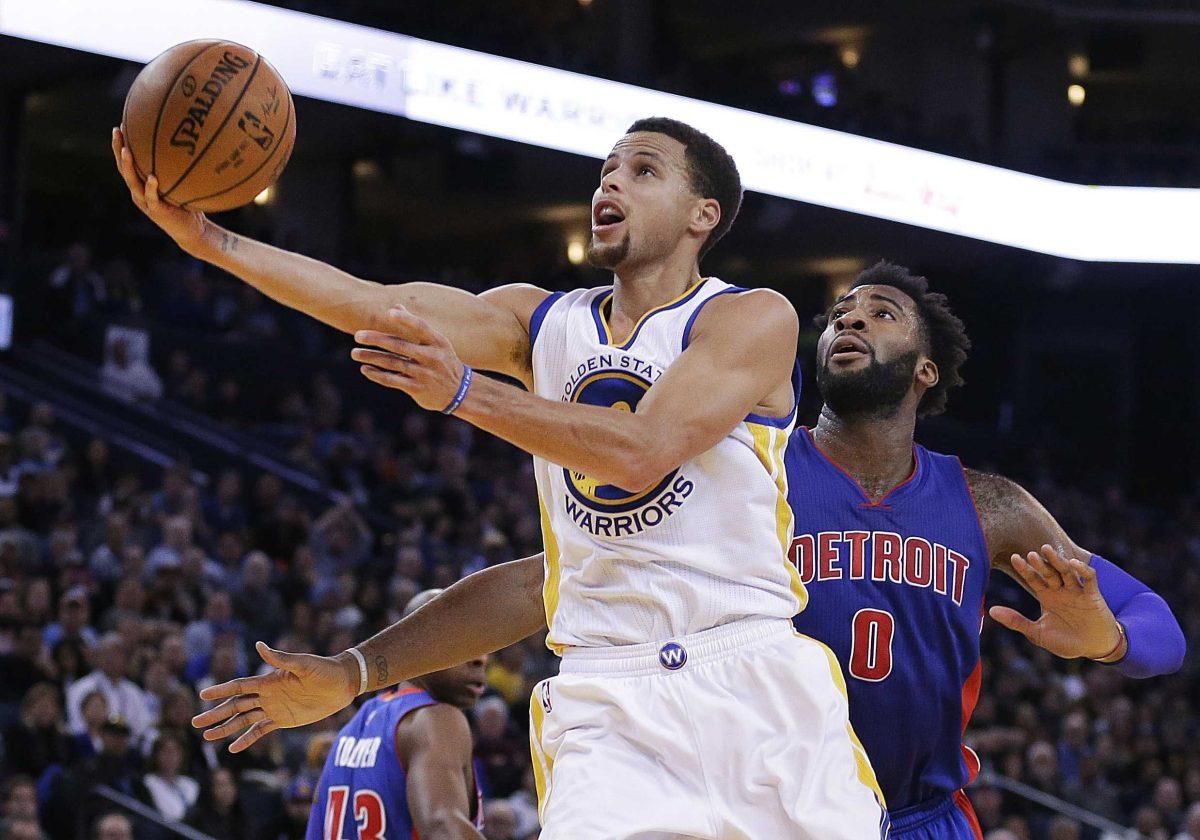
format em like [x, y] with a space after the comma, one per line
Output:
[20, 669]
[113, 827]
[74, 614]
[126, 374]
[72, 805]
[219, 812]
[72, 288]
[89, 742]
[1191, 824]
[124, 697]
[499, 821]
[39, 738]
[167, 788]
[501, 751]
[291, 821]
[256, 603]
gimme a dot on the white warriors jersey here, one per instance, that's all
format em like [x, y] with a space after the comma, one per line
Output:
[705, 546]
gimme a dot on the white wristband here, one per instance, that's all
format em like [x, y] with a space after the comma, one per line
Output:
[362, 669]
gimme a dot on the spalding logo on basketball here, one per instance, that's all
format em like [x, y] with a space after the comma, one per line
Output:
[213, 121]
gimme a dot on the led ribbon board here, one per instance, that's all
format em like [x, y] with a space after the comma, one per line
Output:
[500, 97]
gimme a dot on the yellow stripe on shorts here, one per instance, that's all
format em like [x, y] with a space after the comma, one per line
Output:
[866, 773]
[543, 765]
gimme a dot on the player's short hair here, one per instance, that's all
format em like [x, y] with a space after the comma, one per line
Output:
[713, 171]
[945, 336]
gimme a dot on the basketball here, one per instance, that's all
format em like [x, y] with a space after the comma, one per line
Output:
[213, 121]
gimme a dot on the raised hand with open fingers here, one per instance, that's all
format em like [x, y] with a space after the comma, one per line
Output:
[186, 227]
[1075, 619]
[302, 689]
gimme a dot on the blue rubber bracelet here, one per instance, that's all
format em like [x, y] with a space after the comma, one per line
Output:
[463, 387]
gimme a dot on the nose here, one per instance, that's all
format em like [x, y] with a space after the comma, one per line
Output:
[609, 183]
[849, 320]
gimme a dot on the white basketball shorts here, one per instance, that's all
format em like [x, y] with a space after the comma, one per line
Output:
[738, 733]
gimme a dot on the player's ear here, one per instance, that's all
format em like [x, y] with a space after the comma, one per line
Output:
[927, 372]
[707, 216]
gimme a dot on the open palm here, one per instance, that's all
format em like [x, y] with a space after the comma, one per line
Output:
[302, 689]
[1075, 621]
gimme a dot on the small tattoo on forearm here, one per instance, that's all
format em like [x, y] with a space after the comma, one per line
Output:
[381, 670]
[229, 242]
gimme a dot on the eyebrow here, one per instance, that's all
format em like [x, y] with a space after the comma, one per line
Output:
[874, 296]
[637, 153]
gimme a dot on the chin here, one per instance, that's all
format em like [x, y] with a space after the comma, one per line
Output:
[608, 256]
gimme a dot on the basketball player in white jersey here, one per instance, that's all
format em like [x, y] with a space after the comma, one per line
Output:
[657, 412]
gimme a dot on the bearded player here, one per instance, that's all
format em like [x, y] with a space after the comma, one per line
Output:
[666, 585]
[896, 544]
[402, 766]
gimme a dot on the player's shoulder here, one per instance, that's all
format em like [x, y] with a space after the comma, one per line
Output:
[521, 299]
[436, 720]
[772, 315]
[436, 726]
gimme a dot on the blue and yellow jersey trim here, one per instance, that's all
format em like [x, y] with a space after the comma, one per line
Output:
[602, 301]
[553, 574]
[770, 435]
[769, 445]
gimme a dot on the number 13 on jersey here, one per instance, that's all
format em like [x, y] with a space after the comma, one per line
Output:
[369, 815]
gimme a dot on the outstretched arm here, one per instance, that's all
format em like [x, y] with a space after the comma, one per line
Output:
[434, 744]
[1090, 607]
[489, 331]
[481, 613]
[687, 411]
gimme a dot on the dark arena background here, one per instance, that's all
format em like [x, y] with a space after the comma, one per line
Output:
[187, 467]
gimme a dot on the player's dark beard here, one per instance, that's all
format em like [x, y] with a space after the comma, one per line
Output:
[875, 391]
[607, 258]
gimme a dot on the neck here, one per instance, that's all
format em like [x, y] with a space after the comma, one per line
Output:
[638, 289]
[876, 451]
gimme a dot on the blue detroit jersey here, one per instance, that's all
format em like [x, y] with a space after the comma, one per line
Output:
[363, 790]
[896, 591]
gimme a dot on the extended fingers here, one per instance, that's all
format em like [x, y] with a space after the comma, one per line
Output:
[1061, 566]
[235, 724]
[387, 378]
[1086, 575]
[258, 730]
[383, 359]
[1047, 572]
[1028, 572]
[232, 706]
[242, 685]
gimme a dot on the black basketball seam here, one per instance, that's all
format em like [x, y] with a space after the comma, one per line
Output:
[220, 128]
[278, 146]
[162, 106]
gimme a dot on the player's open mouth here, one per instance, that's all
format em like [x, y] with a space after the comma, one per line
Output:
[606, 216]
[848, 347]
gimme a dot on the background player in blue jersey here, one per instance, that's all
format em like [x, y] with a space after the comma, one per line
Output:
[402, 767]
[896, 554]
